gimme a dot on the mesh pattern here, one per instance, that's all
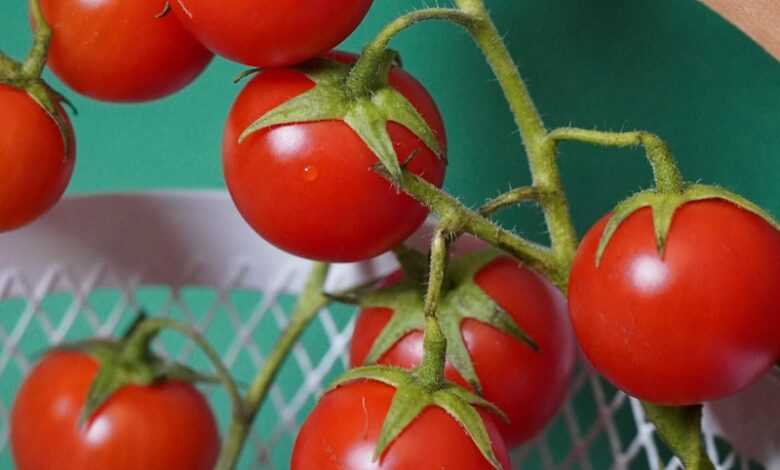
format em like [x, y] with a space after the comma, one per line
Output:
[598, 428]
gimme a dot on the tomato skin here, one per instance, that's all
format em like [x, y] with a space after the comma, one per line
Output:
[341, 434]
[699, 325]
[163, 427]
[117, 50]
[271, 35]
[528, 386]
[310, 188]
[34, 169]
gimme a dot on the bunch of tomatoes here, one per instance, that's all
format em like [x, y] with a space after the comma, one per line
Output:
[691, 321]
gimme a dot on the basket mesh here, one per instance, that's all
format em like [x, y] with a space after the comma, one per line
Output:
[598, 428]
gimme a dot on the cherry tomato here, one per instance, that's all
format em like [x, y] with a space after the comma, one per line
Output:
[118, 50]
[34, 167]
[528, 386]
[162, 427]
[310, 188]
[341, 434]
[275, 34]
[697, 324]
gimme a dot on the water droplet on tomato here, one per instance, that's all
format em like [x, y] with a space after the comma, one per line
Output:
[310, 173]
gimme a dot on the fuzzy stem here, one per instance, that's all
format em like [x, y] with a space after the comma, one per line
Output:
[311, 301]
[543, 164]
[667, 174]
[9, 69]
[36, 59]
[368, 72]
[445, 206]
[510, 198]
[431, 369]
[138, 342]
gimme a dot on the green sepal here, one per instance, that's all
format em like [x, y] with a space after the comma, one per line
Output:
[408, 403]
[115, 371]
[412, 397]
[462, 300]
[330, 100]
[465, 413]
[48, 99]
[680, 429]
[664, 206]
[388, 375]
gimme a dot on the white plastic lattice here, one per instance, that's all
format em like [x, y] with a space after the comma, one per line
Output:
[87, 267]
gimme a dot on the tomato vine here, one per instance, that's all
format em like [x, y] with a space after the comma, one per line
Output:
[360, 95]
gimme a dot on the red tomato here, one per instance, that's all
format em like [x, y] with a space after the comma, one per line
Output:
[341, 434]
[272, 34]
[117, 50]
[528, 386]
[161, 427]
[310, 188]
[698, 324]
[34, 169]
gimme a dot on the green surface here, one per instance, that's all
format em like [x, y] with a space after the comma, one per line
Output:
[670, 66]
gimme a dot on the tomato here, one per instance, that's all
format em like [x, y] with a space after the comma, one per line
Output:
[271, 34]
[117, 50]
[528, 386]
[34, 166]
[163, 427]
[341, 434]
[697, 324]
[310, 188]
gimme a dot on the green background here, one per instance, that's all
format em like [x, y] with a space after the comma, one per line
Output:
[670, 66]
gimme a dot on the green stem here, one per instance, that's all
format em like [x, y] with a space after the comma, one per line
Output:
[446, 207]
[370, 70]
[9, 68]
[542, 162]
[431, 369]
[137, 345]
[667, 174]
[36, 59]
[437, 272]
[311, 301]
[510, 198]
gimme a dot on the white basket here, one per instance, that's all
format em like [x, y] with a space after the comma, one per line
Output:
[116, 246]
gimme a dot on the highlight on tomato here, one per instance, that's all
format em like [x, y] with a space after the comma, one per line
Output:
[693, 323]
[164, 426]
[302, 157]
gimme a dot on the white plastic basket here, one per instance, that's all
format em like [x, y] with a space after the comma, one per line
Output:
[90, 264]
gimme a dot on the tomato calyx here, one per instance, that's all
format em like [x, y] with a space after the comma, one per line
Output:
[414, 394]
[664, 206]
[462, 299]
[128, 361]
[367, 115]
[27, 77]
[680, 429]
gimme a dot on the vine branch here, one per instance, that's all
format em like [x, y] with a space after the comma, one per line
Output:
[665, 171]
[311, 301]
[510, 198]
[148, 329]
[36, 59]
[535, 256]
